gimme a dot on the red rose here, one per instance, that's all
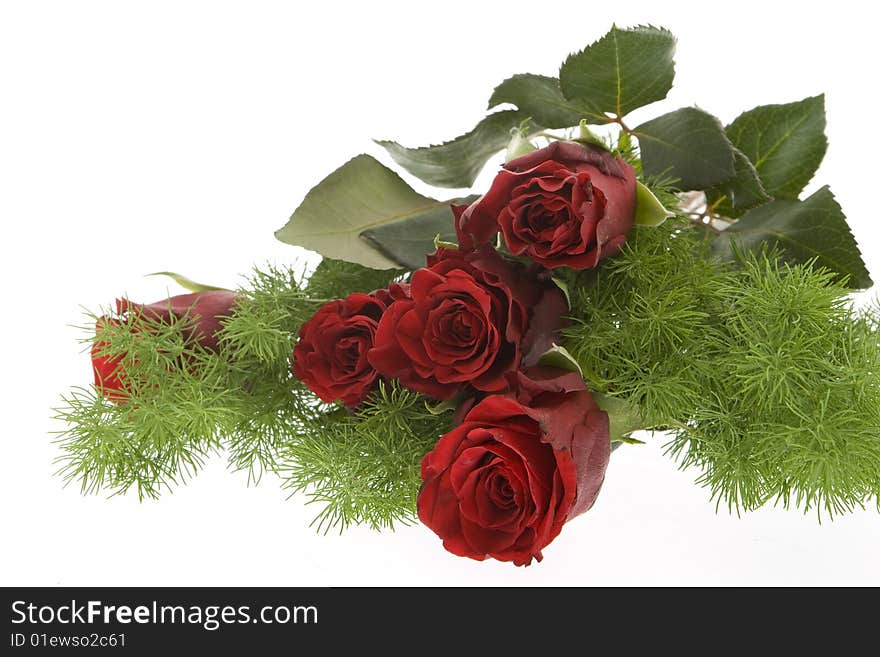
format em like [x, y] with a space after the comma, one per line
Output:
[203, 313]
[107, 369]
[331, 354]
[504, 482]
[566, 205]
[472, 318]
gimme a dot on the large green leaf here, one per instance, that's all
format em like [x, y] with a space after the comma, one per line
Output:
[360, 195]
[813, 228]
[688, 145]
[409, 241]
[742, 192]
[620, 72]
[457, 163]
[540, 97]
[786, 143]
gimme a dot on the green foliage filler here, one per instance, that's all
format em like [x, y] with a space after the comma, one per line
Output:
[186, 404]
[336, 279]
[639, 318]
[764, 373]
[364, 468]
[160, 436]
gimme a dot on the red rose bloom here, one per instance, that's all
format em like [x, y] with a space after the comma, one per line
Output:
[203, 313]
[504, 482]
[566, 205]
[331, 354]
[472, 318]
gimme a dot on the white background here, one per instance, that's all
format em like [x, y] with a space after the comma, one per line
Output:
[137, 137]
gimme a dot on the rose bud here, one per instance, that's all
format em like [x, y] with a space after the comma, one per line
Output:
[565, 205]
[201, 312]
[504, 482]
[204, 313]
[331, 354]
[472, 318]
[106, 368]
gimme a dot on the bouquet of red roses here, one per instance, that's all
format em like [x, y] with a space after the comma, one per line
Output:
[473, 362]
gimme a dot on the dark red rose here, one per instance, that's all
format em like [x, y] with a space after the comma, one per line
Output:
[331, 354]
[504, 482]
[201, 314]
[472, 318]
[566, 205]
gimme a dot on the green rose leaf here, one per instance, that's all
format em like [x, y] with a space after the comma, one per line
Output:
[587, 136]
[540, 97]
[359, 196]
[813, 228]
[742, 192]
[457, 163]
[649, 209]
[623, 418]
[624, 70]
[558, 356]
[688, 145]
[409, 241]
[563, 287]
[786, 143]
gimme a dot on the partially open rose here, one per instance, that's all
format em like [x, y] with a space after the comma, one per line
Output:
[331, 354]
[504, 482]
[472, 318]
[200, 313]
[566, 205]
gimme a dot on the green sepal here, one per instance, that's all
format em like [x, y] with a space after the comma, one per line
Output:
[587, 136]
[444, 406]
[628, 440]
[563, 287]
[188, 284]
[518, 145]
[623, 418]
[558, 356]
[440, 243]
[649, 209]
